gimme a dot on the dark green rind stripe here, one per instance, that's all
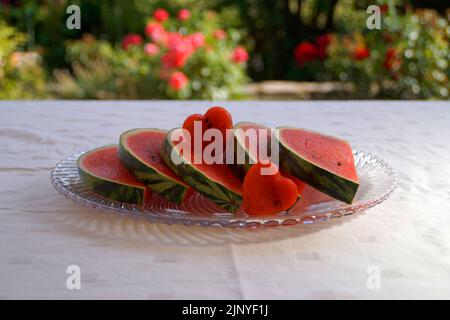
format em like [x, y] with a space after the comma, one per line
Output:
[168, 188]
[333, 185]
[211, 189]
[112, 190]
[240, 169]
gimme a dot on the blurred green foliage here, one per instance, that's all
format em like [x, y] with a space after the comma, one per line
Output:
[408, 58]
[101, 70]
[271, 30]
[21, 74]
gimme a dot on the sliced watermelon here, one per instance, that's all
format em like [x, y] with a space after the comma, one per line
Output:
[139, 153]
[102, 172]
[252, 156]
[214, 118]
[215, 181]
[268, 194]
[324, 162]
[243, 146]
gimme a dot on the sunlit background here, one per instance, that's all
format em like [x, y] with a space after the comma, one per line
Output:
[224, 49]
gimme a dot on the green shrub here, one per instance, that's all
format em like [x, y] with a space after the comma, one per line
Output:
[407, 58]
[190, 57]
[21, 75]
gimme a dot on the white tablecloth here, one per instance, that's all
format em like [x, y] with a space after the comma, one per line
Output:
[406, 239]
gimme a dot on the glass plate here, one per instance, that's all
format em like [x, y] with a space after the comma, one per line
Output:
[377, 181]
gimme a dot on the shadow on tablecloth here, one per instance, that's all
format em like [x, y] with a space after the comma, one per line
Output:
[103, 225]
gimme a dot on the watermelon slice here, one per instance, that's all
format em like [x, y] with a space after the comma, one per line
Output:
[139, 153]
[215, 181]
[324, 162]
[102, 172]
[251, 153]
[248, 150]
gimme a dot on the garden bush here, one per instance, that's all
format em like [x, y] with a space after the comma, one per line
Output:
[407, 58]
[189, 55]
[21, 74]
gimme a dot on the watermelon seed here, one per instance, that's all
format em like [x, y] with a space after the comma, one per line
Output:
[339, 164]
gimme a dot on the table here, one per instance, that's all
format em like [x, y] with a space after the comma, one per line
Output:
[399, 249]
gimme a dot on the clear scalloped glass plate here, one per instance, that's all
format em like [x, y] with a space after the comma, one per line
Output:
[377, 181]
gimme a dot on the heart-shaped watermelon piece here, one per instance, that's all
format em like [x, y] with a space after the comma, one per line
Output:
[267, 194]
[214, 118]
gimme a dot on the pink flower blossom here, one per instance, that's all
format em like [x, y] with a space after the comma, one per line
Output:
[161, 15]
[180, 49]
[156, 32]
[178, 80]
[151, 49]
[240, 55]
[184, 14]
[197, 39]
[175, 59]
[174, 40]
[219, 34]
[131, 39]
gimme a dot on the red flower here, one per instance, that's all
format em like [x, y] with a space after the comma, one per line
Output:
[219, 34]
[156, 32]
[361, 53]
[173, 59]
[322, 53]
[197, 39]
[161, 15]
[240, 55]
[384, 8]
[131, 39]
[174, 40]
[323, 40]
[184, 14]
[305, 52]
[178, 80]
[391, 60]
[391, 53]
[180, 49]
[151, 49]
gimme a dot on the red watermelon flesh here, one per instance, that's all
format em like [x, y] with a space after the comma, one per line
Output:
[222, 173]
[326, 163]
[216, 171]
[268, 194]
[146, 145]
[106, 164]
[215, 181]
[214, 118]
[254, 152]
[101, 171]
[325, 151]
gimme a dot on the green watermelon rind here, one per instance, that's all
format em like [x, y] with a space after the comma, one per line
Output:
[213, 190]
[165, 186]
[240, 169]
[312, 174]
[108, 188]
